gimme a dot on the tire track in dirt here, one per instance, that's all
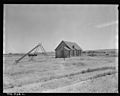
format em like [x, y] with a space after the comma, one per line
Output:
[68, 75]
[77, 73]
[54, 85]
[82, 81]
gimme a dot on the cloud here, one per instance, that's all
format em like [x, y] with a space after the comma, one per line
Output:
[106, 24]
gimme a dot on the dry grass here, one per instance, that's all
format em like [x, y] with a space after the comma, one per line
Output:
[101, 84]
[56, 71]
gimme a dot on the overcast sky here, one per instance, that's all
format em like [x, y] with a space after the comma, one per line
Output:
[90, 26]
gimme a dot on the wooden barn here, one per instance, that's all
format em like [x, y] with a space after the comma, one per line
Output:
[67, 49]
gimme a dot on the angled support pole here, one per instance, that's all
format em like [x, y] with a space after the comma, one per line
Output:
[16, 61]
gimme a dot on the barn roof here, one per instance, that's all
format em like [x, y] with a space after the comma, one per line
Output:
[71, 44]
[66, 48]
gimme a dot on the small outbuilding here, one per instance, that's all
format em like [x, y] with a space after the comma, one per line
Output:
[67, 49]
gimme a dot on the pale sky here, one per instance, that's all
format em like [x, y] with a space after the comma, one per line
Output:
[90, 26]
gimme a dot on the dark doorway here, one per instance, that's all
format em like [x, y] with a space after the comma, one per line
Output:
[73, 53]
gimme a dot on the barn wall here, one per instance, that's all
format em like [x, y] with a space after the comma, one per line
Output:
[66, 53]
[80, 52]
[62, 44]
[71, 52]
[59, 51]
[77, 52]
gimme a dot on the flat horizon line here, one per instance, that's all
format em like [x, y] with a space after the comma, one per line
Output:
[54, 51]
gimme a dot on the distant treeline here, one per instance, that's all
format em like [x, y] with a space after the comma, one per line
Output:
[25, 53]
[102, 52]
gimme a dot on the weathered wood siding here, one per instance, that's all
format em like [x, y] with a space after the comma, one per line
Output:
[61, 52]
[66, 53]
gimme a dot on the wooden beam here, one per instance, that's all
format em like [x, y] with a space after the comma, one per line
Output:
[27, 53]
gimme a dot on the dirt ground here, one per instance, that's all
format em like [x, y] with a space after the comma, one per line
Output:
[105, 84]
[48, 74]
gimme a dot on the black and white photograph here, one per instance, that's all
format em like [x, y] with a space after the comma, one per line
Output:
[60, 48]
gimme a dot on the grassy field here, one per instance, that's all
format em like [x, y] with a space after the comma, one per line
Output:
[48, 73]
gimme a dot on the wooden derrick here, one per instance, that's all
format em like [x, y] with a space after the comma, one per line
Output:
[31, 55]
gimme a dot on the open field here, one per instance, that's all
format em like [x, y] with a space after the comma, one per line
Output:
[48, 74]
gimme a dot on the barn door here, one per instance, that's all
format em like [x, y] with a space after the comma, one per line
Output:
[73, 53]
